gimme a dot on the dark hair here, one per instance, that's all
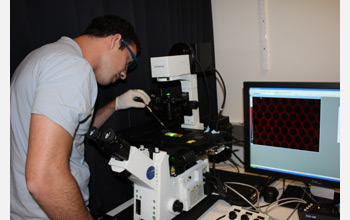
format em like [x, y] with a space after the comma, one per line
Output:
[112, 24]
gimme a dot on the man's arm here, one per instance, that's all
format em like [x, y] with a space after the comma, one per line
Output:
[103, 114]
[124, 101]
[47, 171]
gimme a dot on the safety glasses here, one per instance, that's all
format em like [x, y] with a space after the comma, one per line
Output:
[131, 64]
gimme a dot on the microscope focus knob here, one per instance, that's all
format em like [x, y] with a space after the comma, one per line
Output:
[193, 104]
[178, 206]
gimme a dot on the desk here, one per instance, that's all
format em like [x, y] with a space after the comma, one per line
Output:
[212, 207]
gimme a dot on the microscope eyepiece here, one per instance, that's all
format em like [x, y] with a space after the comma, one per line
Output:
[109, 143]
[108, 136]
[93, 134]
[115, 145]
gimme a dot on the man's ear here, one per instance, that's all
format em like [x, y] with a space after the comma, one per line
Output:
[115, 41]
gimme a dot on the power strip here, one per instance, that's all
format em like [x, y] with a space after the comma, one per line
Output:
[237, 212]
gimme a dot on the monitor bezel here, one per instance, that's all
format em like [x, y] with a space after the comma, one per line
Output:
[246, 108]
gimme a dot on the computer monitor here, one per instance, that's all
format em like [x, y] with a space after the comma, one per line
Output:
[292, 131]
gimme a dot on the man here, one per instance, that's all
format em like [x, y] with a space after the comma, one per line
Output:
[53, 92]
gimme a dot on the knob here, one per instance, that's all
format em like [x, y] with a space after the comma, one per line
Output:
[232, 215]
[193, 104]
[178, 206]
[244, 217]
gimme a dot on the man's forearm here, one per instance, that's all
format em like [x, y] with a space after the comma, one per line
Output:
[103, 114]
[60, 198]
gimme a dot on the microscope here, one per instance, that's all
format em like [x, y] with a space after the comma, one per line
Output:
[160, 193]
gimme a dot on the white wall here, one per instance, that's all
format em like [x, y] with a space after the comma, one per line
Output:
[304, 44]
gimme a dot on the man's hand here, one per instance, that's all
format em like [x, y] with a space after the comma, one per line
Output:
[126, 100]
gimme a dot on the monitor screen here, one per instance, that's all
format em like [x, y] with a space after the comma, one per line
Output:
[292, 131]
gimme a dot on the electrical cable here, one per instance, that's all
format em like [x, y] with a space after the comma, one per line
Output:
[224, 95]
[220, 188]
[302, 197]
[276, 203]
[269, 207]
[213, 167]
[235, 155]
[244, 198]
[208, 94]
[309, 194]
[234, 164]
[237, 141]
[234, 167]
[257, 207]
[213, 180]
[297, 206]
[223, 84]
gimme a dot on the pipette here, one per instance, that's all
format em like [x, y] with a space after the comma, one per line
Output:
[138, 99]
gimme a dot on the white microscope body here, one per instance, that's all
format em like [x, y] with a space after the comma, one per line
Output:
[170, 68]
[157, 194]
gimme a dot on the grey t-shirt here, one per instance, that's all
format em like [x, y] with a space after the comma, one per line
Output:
[57, 82]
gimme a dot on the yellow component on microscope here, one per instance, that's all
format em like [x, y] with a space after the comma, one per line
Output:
[190, 141]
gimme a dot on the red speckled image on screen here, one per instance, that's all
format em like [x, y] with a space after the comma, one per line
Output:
[287, 123]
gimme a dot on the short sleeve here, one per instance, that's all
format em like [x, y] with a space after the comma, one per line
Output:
[66, 92]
